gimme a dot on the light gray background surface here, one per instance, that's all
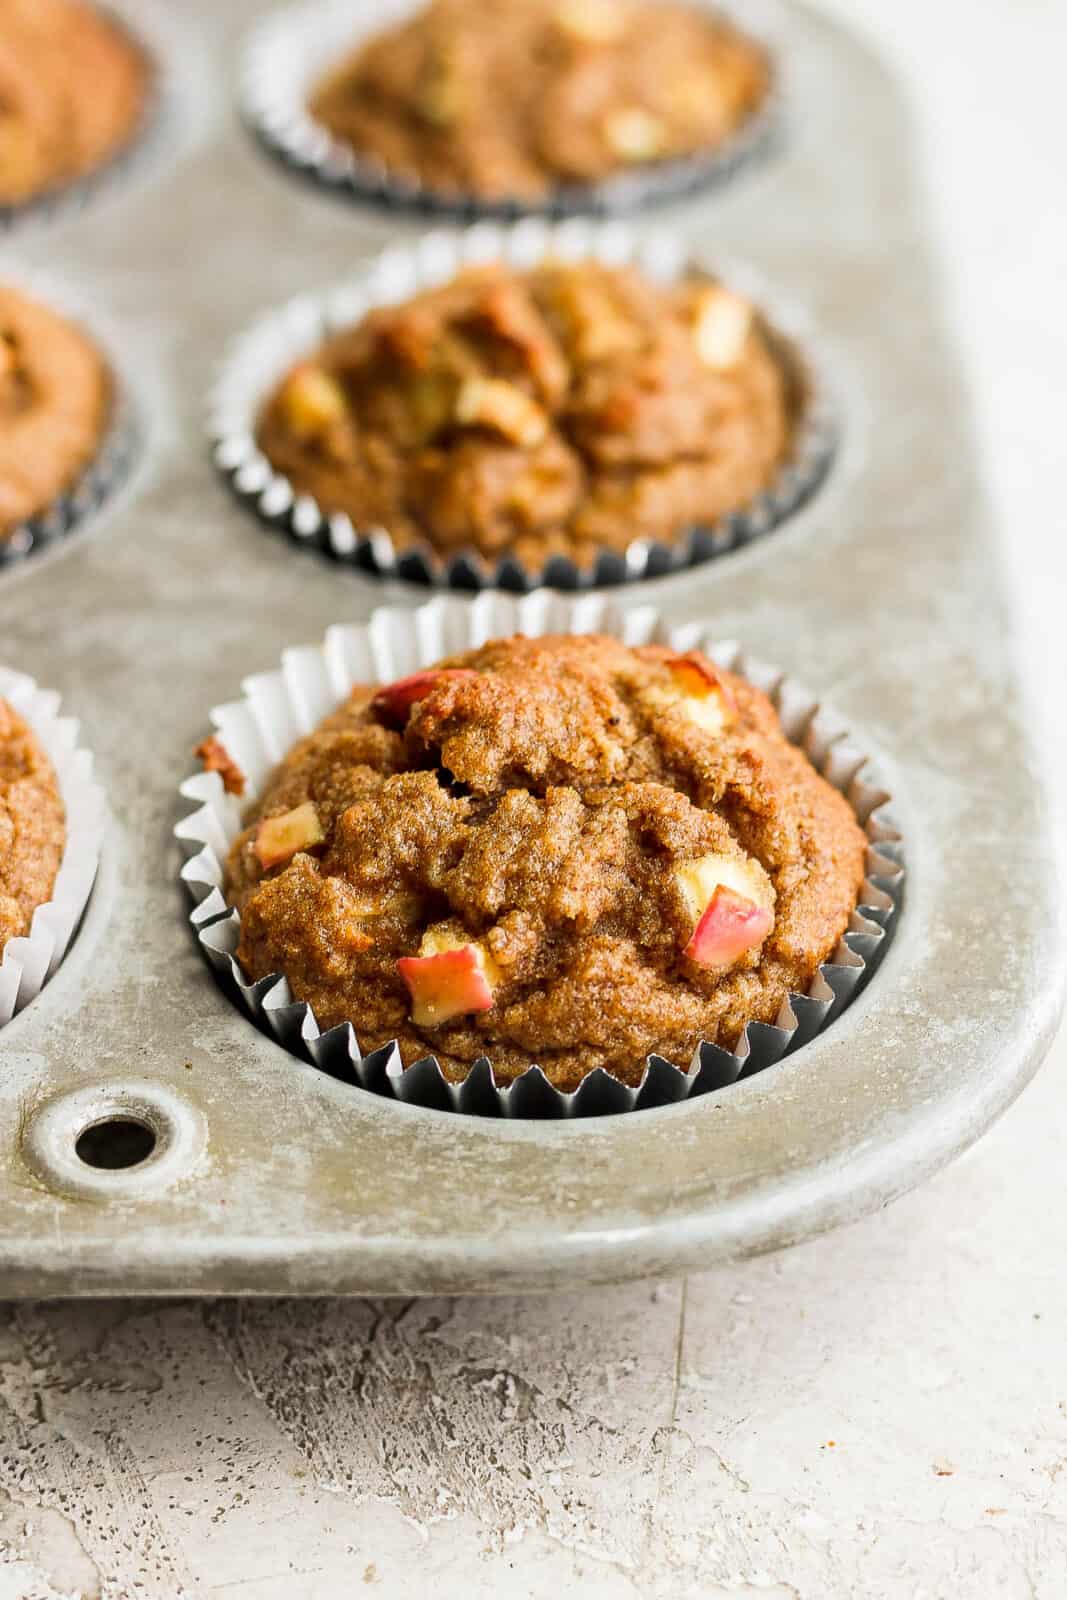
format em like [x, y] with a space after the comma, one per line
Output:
[881, 1413]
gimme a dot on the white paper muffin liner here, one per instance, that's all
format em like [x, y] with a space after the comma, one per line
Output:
[289, 51]
[280, 707]
[262, 355]
[151, 35]
[26, 964]
[106, 471]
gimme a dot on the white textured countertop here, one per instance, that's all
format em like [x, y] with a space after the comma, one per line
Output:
[882, 1413]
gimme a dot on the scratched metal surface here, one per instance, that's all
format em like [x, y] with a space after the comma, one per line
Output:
[884, 594]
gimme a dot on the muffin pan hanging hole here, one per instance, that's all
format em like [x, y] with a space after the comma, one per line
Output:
[115, 1140]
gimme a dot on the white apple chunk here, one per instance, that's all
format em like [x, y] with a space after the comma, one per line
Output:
[731, 903]
[279, 838]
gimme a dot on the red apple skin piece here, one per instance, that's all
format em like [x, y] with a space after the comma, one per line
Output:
[697, 677]
[446, 985]
[730, 926]
[279, 838]
[393, 702]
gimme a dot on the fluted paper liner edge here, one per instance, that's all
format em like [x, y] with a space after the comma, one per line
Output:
[27, 963]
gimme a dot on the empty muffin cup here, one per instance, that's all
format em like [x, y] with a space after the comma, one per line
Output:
[253, 734]
[289, 54]
[776, 348]
[65, 773]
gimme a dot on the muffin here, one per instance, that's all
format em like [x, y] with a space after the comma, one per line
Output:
[73, 89]
[564, 410]
[518, 99]
[560, 850]
[55, 405]
[32, 826]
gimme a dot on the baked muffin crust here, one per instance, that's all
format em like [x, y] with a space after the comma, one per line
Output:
[525, 96]
[553, 850]
[72, 93]
[564, 410]
[32, 825]
[55, 399]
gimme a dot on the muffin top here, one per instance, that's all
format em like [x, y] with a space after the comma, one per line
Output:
[32, 825]
[557, 411]
[525, 96]
[55, 399]
[72, 94]
[553, 850]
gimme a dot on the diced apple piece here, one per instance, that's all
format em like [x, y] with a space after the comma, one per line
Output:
[440, 96]
[312, 401]
[592, 21]
[635, 134]
[721, 327]
[279, 838]
[395, 700]
[698, 691]
[504, 407]
[729, 928]
[448, 978]
[731, 903]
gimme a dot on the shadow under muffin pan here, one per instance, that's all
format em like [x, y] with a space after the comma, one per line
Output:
[283, 706]
[151, 38]
[289, 51]
[261, 356]
[268, 1176]
[116, 454]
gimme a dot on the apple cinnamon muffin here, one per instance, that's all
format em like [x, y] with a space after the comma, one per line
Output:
[55, 404]
[563, 410]
[73, 89]
[557, 850]
[523, 97]
[32, 825]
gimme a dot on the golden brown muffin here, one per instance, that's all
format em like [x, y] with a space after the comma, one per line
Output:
[55, 400]
[32, 826]
[524, 96]
[72, 94]
[554, 850]
[558, 411]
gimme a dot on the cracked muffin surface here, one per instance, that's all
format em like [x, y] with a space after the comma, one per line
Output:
[55, 401]
[523, 97]
[557, 850]
[563, 410]
[32, 825]
[72, 94]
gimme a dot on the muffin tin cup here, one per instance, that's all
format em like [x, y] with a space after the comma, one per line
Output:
[261, 356]
[27, 963]
[106, 471]
[280, 707]
[288, 52]
[151, 32]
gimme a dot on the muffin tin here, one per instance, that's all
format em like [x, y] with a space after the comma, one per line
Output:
[883, 594]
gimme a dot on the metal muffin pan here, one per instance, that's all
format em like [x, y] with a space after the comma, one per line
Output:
[884, 595]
